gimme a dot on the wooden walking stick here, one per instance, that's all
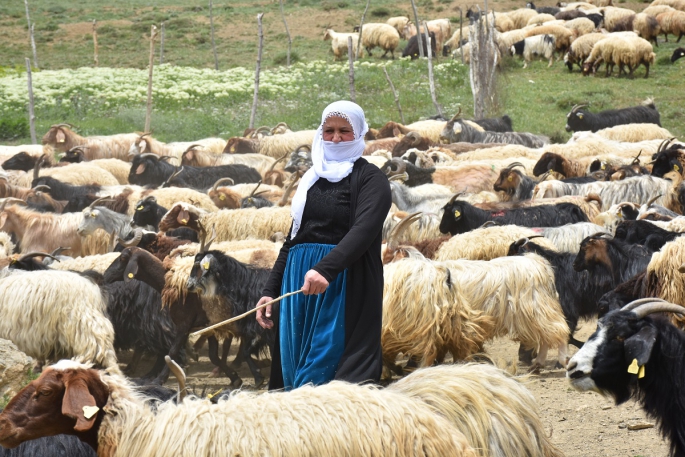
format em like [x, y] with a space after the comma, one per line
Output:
[237, 318]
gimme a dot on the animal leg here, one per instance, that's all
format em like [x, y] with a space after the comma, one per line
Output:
[213, 343]
[525, 355]
[647, 72]
[135, 360]
[679, 37]
[156, 368]
[244, 349]
[539, 361]
[562, 356]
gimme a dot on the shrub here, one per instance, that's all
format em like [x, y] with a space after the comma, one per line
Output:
[13, 128]
[282, 58]
[380, 12]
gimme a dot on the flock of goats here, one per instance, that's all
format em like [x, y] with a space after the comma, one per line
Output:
[128, 243]
[584, 34]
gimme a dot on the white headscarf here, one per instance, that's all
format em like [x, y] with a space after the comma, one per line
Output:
[330, 160]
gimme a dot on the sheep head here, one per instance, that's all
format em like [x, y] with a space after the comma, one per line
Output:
[391, 129]
[181, 215]
[58, 136]
[239, 145]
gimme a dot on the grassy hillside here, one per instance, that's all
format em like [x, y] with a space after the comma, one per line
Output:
[191, 104]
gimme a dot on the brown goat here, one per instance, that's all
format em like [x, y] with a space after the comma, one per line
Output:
[62, 138]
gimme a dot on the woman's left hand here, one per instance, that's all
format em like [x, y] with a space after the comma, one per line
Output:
[314, 283]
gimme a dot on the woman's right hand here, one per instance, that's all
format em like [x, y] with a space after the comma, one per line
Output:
[264, 314]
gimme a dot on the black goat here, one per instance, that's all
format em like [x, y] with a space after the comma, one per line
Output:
[569, 15]
[634, 355]
[150, 169]
[254, 200]
[51, 446]
[618, 260]
[63, 191]
[216, 274]
[581, 120]
[149, 213]
[669, 157]
[578, 291]
[461, 217]
[644, 233]
[157, 244]
[544, 9]
[496, 124]
[74, 155]
[456, 130]
[22, 161]
[412, 48]
[624, 293]
[677, 54]
[300, 159]
[516, 184]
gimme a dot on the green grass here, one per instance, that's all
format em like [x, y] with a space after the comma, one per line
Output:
[537, 98]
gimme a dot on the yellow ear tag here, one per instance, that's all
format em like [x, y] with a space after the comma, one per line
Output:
[184, 221]
[205, 265]
[232, 149]
[633, 368]
[604, 166]
[510, 178]
[457, 213]
[90, 411]
[222, 197]
[641, 373]
[130, 275]
[140, 208]
[676, 168]
[620, 213]
[580, 116]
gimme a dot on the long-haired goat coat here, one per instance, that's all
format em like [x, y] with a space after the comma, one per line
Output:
[539, 45]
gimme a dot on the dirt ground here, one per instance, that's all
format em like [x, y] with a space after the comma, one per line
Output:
[580, 424]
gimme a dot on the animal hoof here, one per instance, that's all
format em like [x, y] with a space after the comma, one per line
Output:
[259, 382]
[216, 372]
[558, 365]
[236, 384]
[535, 369]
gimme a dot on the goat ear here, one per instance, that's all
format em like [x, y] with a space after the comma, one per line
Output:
[639, 347]
[79, 404]
[189, 155]
[3, 219]
[396, 131]
[183, 217]
[60, 137]
[143, 146]
[131, 271]
[140, 169]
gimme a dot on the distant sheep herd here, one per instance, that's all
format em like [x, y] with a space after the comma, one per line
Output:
[583, 34]
[120, 243]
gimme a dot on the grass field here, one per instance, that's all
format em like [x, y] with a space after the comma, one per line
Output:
[536, 98]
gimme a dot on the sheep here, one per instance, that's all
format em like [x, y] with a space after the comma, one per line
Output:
[440, 27]
[339, 43]
[643, 53]
[493, 287]
[521, 16]
[398, 22]
[507, 39]
[540, 18]
[453, 43]
[146, 144]
[613, 15]
[229, 224]
[44, 314]
[456, 131]
[484, 243]
[631, 355]
[631, 133]
[429, 129]
[350, 419]
[76, 174]
[273, 146]
[672, 22]
[655, 10]
[569, 14]
[581, 26]
[578, 119]
[46, 232]
[6, 245]
[384, 36]
[562, 36]
[62, 138]
[639, 189]
[677, 54]
[539, 45]
[97, 263]
[496, 413]
[473, 177]
[611, 51]
[647, 27]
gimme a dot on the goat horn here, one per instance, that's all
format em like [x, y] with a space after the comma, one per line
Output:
[255, 189]
[415, 136]
[36, 168]
[665, 144]
[101, 199]
[180, 377]
[42, 187]
[62, 125]
[456, 116]
[658, 307]
[150, 154]
[487, 224]
[60, 250]
[577, 107]
[399, 229]
[653, 199]
[167, 158]
[211, 240]
[514, 165]
[454, 197]
[173, 175]
[190, 148]
[144, 134]
[303, 146]
[216, 184]
[636, 160]
[637, 303]
[273, 165]
[36, 254]
[17, 201]
[288, 190]
[135, 241]
[400, 164]
[400, 177]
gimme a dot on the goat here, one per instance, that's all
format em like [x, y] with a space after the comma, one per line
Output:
[412, 48]
[456, 131]
[644, 233]
[677, 54]
[150, 169]
[515, 184]
[460, 217]
[632, 355]
[62, 138]
[102, 218]
[474, 178]
[616, 260]
[579, 119]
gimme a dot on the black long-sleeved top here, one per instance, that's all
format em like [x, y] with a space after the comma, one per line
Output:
[359, 251]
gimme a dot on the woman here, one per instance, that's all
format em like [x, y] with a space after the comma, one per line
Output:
[333, 329]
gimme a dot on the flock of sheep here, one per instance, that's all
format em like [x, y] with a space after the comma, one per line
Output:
[583, 34]
[117, 243]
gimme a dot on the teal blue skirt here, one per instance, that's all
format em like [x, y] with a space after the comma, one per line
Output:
[312, 327]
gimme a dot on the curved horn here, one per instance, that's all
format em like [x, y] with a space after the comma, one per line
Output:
[304, 146]
[657, 307]
[42, 187]
[36, 254]
[255, 189]
[399, 229]
[135, 241]
[63, 125]
[204, 244]
[36, 168]
[456, 116]
[149, 154]
[636, 160]
[577, 107]
[173, 175]
[415, 137]
[400, 177]
[665, 144]
[216, 184]
[273, 165]
[144, 134]
[17, 201]
[167, 158]
[400, 164]
[180, 377]
[454, 197]
[487, 224]
[60, 250]
[636, 303]
[653, 199]
[101, 199]
[190, 148]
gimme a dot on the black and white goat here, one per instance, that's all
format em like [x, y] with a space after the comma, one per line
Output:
[535, 46]
[634, 355]
[456, 131]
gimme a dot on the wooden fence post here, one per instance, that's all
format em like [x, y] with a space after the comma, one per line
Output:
[161, 46]
[31, 38]
[361, 28]
[418, 29]
[431, 80]
[32, 116]
[211, 29]
[287, 32]
[394, 93]
[461, 38]
[148, 112]
[95, 43]
[350, 57]
[253, 114]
